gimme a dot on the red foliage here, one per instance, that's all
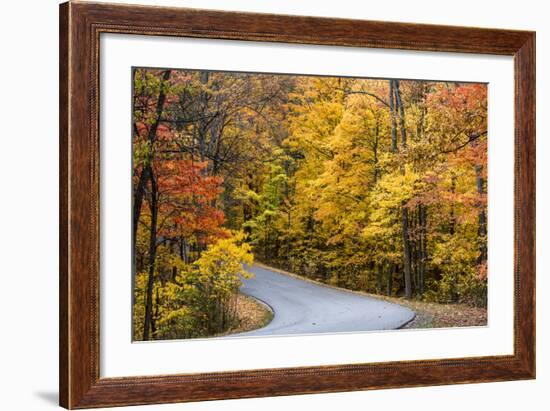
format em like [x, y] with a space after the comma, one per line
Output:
[464, 98]
[189, 199]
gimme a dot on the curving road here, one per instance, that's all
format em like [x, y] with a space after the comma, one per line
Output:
[303, 307]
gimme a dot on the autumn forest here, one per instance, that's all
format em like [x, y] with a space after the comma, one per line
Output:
[372, 185]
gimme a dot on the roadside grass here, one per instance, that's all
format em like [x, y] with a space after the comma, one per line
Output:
[428, 315]
[251, 315]
[434, 315]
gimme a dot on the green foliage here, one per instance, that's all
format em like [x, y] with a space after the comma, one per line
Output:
[455, 258]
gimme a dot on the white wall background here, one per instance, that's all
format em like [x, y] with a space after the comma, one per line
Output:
[29, 192]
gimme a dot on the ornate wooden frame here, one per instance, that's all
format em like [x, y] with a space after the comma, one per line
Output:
[80, 28]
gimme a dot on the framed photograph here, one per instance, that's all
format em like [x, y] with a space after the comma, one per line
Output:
[260, 205]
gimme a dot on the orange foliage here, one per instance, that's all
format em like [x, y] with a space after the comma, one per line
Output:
[189, 199]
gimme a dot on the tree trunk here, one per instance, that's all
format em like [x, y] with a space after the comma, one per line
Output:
[174, 268]
[389, 280]
[394, 106]
[152, 257]
[406, 251]
[452, 218]
[203, 122]
[145, 173]
[392, 117]
[138, 201]
[184, 255]
[423, 253]
[413, 244]
[399, 106]
[376, 174]
[482, 219]
[156, 315]
[379, 273]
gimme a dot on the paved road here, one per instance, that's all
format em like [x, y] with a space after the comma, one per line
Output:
[303, 307]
